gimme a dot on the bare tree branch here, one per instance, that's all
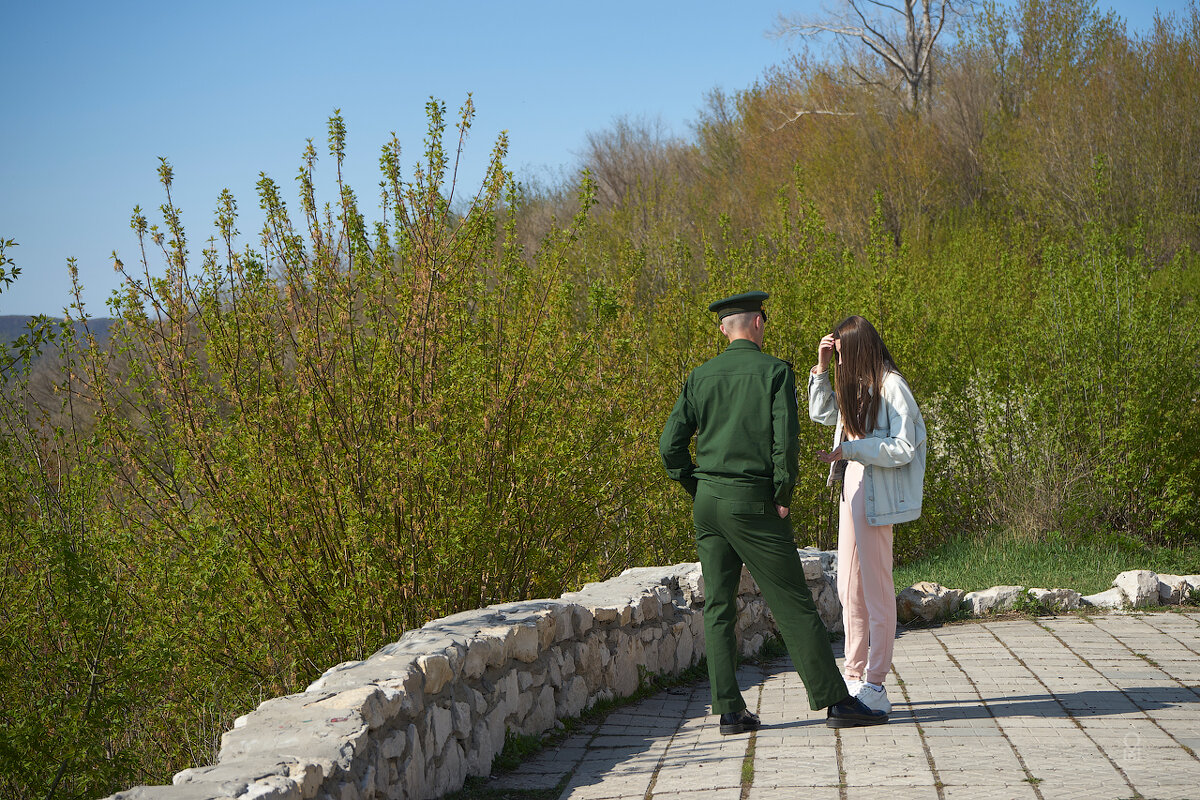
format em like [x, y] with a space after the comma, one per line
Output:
[908, 52]
[885, 5]
[807, 111]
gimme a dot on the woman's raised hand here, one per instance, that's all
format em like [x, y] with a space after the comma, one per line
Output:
[825, 352]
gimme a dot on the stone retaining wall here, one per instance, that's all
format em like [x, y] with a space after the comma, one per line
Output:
[423, 713]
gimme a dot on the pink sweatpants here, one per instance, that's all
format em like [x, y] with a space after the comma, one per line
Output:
[865, 587]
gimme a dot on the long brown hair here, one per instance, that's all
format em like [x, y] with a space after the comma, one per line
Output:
[858, 379]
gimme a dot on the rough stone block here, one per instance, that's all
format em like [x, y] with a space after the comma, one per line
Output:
[497, 730]
[481, 754]
[363, 788]
[650, 606]
[605, 613]
[308, 777]
[1140, 587]
[587, 660]
[523, 645]
[329, 673]
[450, 774]
[584, 619]
[506, 693]
[461, 719]
[412, 770]
[747, 584]
[650, 633]
[568, 663]
[478, 701]
[621, 675]
[524, 705]
[554, 661]
[667, 646]
[394, 746]
[1112, 598]
[829, 606]
[997, 598]
[233, 777]
[436, 668]
[813, 569]
[455, 653]
[1173, 589]
[479, 655]
[564, 624]
[645, 656]
[546, 623]
[693, 587]
[441, 725]
[684, 650]
[927, 601]
[331, 740]
[377, 705]
[572, 698]
[1056, 599]
[541, 712]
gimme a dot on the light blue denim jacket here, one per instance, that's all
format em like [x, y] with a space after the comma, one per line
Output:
[893, 452]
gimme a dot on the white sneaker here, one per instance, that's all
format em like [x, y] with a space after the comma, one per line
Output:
[852, 686]
[872, 698]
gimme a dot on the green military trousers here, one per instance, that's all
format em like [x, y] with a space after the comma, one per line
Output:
[737, 525]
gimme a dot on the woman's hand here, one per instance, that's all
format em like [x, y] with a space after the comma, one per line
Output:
[829, 458]
[825, 352]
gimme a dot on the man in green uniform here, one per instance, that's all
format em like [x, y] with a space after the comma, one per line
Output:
[741, 406]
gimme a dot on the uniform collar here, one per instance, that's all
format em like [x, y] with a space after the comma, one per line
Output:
[742, 344]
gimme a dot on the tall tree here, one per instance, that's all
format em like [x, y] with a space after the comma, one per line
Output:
[902, 36]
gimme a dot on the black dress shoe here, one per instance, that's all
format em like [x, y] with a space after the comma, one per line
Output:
[852, 713]
[739, 722]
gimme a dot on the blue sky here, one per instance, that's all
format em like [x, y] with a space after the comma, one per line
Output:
[93, 93]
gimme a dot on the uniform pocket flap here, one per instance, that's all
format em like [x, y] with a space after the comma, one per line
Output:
[745, 507]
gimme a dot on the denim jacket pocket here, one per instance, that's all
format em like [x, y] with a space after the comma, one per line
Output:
[886, 491]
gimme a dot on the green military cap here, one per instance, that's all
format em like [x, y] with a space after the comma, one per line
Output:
[738, 304]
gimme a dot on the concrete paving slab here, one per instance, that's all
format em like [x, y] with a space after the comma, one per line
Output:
[1095, 706]
[759, 793]
[1021, 791]
[701, 794]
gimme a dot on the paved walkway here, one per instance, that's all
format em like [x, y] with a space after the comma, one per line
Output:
[1094, 707]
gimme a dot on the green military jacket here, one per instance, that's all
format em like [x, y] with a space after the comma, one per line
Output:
[741, 406]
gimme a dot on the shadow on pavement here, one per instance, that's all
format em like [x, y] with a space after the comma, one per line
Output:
[1086, 703]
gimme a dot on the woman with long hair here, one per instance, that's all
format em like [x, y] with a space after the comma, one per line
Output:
[879, 457]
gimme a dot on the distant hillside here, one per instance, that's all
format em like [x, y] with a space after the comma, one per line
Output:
[13, 326]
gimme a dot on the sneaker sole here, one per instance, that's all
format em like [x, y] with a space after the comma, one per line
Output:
[843, 722]
[886, 710]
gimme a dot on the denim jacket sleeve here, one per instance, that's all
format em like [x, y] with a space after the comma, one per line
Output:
[905, 429]
[822, 405]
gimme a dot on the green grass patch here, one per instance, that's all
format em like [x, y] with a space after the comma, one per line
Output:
[1085, 563]
[748, 765]
[517, 748]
